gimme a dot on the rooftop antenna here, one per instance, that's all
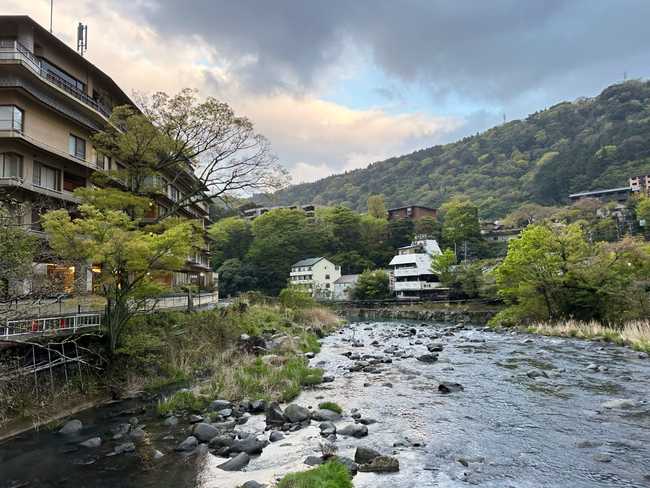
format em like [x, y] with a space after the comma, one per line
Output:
[51, 12]
[82, 38]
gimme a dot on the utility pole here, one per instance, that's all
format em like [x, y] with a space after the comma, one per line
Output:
[51, 12]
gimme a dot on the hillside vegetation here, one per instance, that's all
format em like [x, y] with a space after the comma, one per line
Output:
[588, 144]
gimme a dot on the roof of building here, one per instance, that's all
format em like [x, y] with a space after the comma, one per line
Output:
[307, 262]
[42, 31]
[600, 192]
[347, 279]
[411, 206]
[406, 258]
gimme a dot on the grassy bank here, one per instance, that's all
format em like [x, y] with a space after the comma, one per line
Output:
[202, 349]
[635, 334]
[328, 475]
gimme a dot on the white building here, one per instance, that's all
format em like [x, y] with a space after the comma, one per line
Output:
[412, 277]
[343, 287]
[317, 275]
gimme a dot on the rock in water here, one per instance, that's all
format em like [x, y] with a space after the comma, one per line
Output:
[253, 484]
[126, 447]
[71, 427]
[276, 436]
[249, 446]
[205, 432]
[313, 460]
[237, 463]
[364, 455]
[189, 444]
[434, 347]
[323, 415]
[274, 415]
[428, 358]
[622, 403]
[296, 413]
[217, 405]
[349, 464]
[354, 430]
[445, 388]
[381, 464]
[92, 443]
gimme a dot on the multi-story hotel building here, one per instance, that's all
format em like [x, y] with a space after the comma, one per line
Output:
[52, 100]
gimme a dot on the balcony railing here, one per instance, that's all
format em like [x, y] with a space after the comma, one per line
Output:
[14, 50]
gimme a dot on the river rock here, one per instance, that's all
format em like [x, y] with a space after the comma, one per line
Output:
[257, 406]
[223, 440]
[274, 415]
[602, 457]
[237, 463]
[351, 466]
[327, 428]
[428, 358]
[620, 403]
[296, 413]
[122, 448]
[313, 460]
[448, 387]
[71, 427]
[226, 412]
[217, 405]
[137, 434]
[253, 484]
[434, 347]
[92, 443]
[158, 454]
[205, 432]
[171, 421]
[323, 415]
[189, 444]
[328, 379]
[534, 373]
[364, 455]
[276, 436]
[250, 445]
[380, 464]
[354, 430]
[195, 418]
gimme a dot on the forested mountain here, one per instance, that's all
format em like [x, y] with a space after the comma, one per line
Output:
[588, 144]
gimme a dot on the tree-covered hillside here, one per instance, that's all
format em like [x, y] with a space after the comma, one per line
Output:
[588, 144]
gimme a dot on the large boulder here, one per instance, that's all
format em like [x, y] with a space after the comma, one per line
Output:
[237, 463]
[125, 447]
[274, 415]
[276, 436]
[364, 455]
[428, 358]
[205, 432]
[380, 464]
[296, 413]
[71, 427]
[448, 387]
[253, 484]
[250, 445]
[434, 347]
[353, 430]
[189, 444]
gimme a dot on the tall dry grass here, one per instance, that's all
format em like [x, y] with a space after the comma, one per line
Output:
[635, 334]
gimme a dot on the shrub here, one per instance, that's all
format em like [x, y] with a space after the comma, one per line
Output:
[334, 407]
[329, 475]
[181, 401]
[296, 298]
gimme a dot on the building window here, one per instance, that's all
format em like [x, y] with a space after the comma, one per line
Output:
[11, 118]
[173, 193]
[47, 177]
[327, 277]
[77, 147]
[11, 165]
[103, 161]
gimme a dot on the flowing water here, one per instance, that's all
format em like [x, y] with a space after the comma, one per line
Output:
[531, 415]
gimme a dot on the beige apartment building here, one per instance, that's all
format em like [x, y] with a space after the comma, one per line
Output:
[52, 100]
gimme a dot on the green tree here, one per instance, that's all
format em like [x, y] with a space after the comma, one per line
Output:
[372, 285]
[17, 251]
[400, 233]
[282, 237]
[231, 237]
[376, 206]
[443, 265]
[343, 227]
[461, 225]
[130, 254]
[643, 215]
[429, 226]
[236, 277]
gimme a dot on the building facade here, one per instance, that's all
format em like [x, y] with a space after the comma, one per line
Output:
[344, 286]
[316, 275]
[253, 213]
[51, 102]
[411, 212]
[411, 274]
[641, 184]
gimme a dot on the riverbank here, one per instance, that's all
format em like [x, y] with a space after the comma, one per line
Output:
[219, 352]
[635, 335]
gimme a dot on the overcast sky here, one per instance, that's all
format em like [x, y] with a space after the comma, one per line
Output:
[336, 85]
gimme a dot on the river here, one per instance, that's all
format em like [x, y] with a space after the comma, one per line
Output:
[531, 414]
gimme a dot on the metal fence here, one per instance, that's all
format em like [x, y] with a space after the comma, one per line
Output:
[50, 325]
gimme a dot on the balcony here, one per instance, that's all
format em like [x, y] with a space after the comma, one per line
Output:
[414, 271]
[11, 50]
[415, 285]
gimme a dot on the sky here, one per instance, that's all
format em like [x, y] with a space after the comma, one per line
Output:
[336, 85]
